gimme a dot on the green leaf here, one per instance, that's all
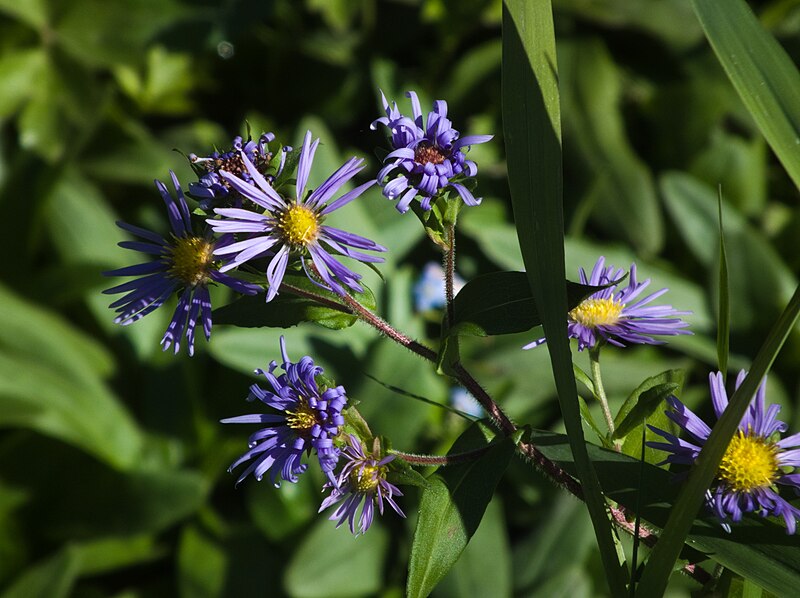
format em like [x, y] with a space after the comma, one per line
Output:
[759, 278]
[451, 509]
[645, 399]
[289, 309]
[502, 303]
[757, 549]
[659, 567]
[532, 128]
[202, 564]
[330, 561]
[19, 72]
[626, 196]
[32, 12]
[487, 551]
[763, 74]
[52, 578]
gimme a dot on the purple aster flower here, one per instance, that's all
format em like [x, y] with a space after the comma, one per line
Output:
[427, 157]
[620, 316]
[309, 418]
[295, 227]
[211, 185]
[185, 264]
[755, 461]
[362, 479]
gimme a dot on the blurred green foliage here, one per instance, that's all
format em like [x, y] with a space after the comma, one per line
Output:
[112, 460]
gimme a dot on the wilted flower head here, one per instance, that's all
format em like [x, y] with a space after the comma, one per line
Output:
[294, 227]
[362, 479]
[309, 417]
[755, 462]
[212, 186]
[427, 157]
[619, 316]
[184, 264]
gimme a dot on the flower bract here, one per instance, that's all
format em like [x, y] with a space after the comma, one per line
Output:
[184, 264]
[306, 415]
[295, 227]
[755, 463]
[427, 156]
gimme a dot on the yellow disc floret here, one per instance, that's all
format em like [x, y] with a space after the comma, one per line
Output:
[299, 225]
[597, 312]
[302, 419]
[191, 260]
[750, 462]
[366, 478]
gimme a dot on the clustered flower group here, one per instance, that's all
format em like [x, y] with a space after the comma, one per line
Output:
[247, 222]
[310, 416]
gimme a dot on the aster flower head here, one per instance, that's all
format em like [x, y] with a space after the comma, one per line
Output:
[619, 316]
[756, 461]
[427, 157]
[309, 417]
[184, 265]
[361, 480]
[212, 187]
[294, 227]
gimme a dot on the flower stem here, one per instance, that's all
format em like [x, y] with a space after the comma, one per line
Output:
[599, 390]
[441, 459]
[449, 264]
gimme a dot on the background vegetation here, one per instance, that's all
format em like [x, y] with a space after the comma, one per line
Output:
[112, 460]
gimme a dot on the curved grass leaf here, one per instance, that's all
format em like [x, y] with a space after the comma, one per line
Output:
[762, 73]
[532, 128]
[452, 507]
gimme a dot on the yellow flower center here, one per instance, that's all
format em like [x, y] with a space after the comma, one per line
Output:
[301, 419]
[299, 225]
[365, 479]
[750, 462]
[191, 260]
[597, 312]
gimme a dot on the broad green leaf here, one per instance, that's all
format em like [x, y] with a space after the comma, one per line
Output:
[19, 72]
[670, 20]
[502, 303]
[32, 12]
[532, 128]
[645, 399]
[758, 276]
[100, 35]
[52, 578]
[757, 549]
[762, 73]
[289, 309]
[487, 551]
[626, 195]
[202, 564]
[659, 567]
[330, 561]
[108, 554]
[451, 509]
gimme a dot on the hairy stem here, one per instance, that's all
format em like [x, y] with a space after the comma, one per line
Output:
[449, 259]
[599, 390]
